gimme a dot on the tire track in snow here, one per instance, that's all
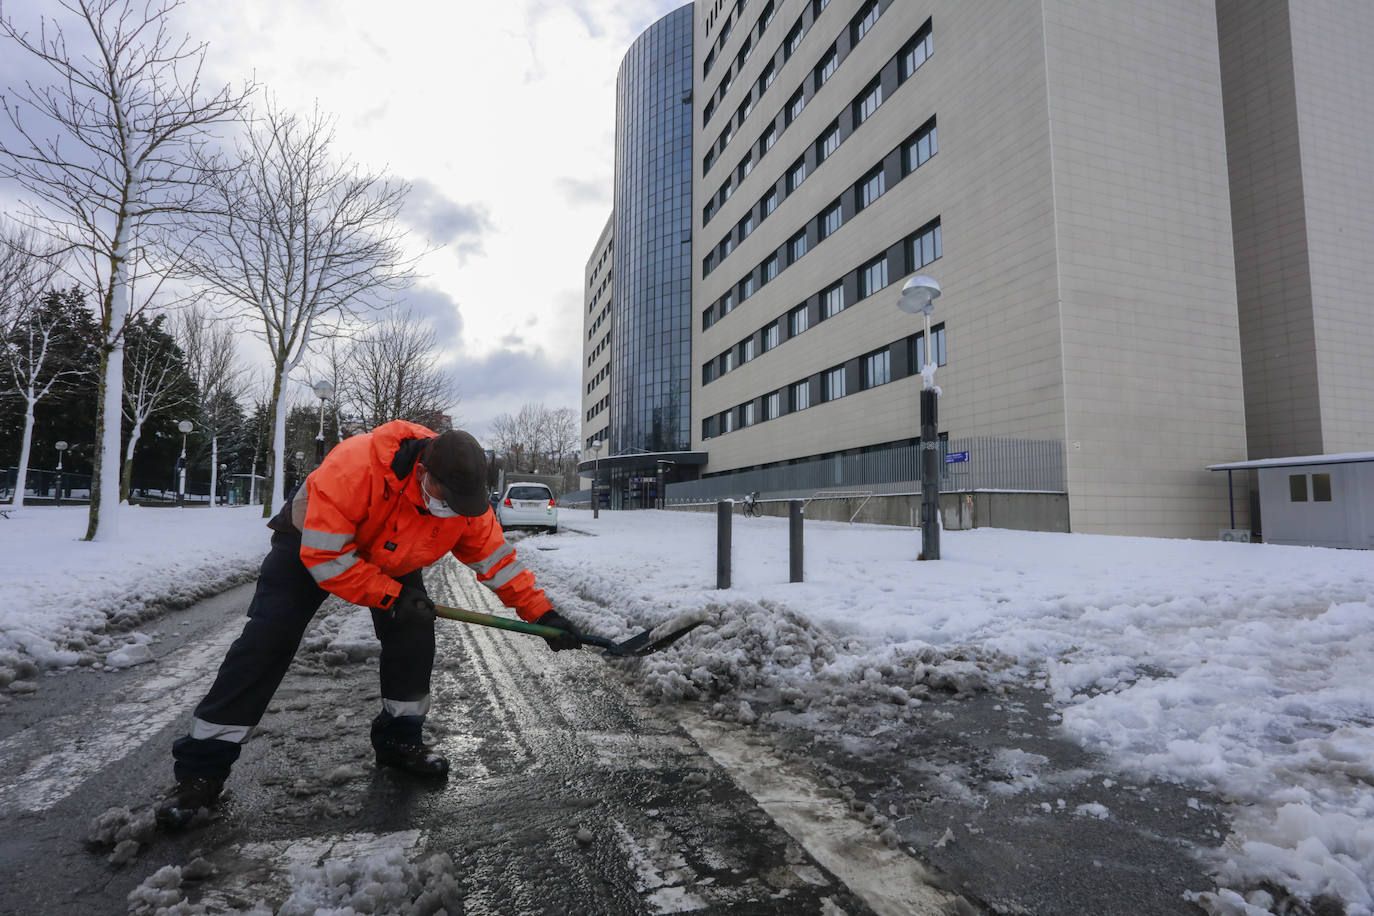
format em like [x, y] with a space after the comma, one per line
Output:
[101, 735]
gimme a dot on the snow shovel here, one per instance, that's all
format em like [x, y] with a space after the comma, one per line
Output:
[646, 643]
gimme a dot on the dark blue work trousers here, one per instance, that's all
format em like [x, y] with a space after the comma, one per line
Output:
[283, 605]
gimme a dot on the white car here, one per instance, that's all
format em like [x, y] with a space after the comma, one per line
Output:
[527, 505]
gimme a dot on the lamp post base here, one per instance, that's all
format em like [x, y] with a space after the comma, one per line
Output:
[930, 477]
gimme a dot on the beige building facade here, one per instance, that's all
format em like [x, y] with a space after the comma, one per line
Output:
[1300, 129]
[1068, 172]
[1085, 249]
[597, 323]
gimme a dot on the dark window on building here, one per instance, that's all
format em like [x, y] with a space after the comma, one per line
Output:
[795, 106]
[772, 405]
[873, 276]
[915, 53]
[796, 247]
[866, 18]
[831, 219]
[924, 246]
[876, 368]
[771, 267]
[1321, 488]
[916, 350]
[1297, 488]
[770, 337]
[918, 150]
[832, 384]
[793, 41]
[797, 321]
[798, 396]
[769, 202]
[796, 175]
[828, 143]
[832, 300]
[826, 68]
[872, 186]
[868, 102]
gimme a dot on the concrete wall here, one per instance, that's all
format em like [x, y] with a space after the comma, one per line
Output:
[1334, 87]
[1299, 98]
[1151, 351]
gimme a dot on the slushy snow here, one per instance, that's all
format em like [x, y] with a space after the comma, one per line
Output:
[1242, 669]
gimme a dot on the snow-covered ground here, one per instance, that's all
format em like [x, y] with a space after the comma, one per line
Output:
[1242, 669]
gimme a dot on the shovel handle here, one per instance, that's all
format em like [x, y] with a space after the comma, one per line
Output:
[519, 626]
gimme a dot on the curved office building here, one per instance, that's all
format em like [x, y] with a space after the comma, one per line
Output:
[650, 389]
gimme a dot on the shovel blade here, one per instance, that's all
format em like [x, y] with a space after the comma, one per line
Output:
[646, 644]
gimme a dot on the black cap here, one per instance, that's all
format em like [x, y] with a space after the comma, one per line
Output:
[459, 465]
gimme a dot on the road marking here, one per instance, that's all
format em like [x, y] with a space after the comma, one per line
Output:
[892, 883]
[94, 739]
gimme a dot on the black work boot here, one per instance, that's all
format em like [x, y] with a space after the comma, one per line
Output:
[190, 795]
[397, 741]
[419, 759]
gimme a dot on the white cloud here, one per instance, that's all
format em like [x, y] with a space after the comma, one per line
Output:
[500, 114]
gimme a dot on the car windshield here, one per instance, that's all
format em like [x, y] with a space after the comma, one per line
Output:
[529, 493]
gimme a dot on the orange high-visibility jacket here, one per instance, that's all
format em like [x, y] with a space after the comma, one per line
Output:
[361, 526]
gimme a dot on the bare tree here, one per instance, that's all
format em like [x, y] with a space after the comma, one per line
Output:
[27, 270]
[212, 362]
[301, 241]
[109, 165]
[391, 372]
[43, 347]
[536, 437]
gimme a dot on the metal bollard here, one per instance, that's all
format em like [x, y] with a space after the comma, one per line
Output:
[723, 508]
[794, 539]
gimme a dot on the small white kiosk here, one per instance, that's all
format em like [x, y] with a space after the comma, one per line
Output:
[1314, 500]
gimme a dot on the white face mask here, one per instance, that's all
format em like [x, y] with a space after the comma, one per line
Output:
[437, 507]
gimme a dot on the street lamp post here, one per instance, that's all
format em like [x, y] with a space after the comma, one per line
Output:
[61, 446]
[918, 295]
[300, 463]
[663, 464]
[223, 484]
[324, 391]
[597, 446]
[185, 426]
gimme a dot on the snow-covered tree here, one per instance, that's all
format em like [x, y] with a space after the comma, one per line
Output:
[104, 152]
[302, 241]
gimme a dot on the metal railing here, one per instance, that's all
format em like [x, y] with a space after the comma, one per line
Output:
[994, 463]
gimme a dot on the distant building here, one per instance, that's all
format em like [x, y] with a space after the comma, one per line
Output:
[1066, 171]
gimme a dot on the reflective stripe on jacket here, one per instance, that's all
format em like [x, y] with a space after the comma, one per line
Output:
[362, 526]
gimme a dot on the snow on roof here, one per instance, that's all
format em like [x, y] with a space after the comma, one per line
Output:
[1347, 458]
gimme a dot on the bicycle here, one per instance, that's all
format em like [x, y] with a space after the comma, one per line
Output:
[753, 508]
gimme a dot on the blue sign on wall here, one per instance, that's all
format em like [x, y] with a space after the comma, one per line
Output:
[956, 457]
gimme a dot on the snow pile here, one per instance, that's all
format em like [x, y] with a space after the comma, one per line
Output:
[1239, 668]
[384, 882]
[63, 595]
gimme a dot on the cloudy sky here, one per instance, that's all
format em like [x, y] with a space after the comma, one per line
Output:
[500, 114]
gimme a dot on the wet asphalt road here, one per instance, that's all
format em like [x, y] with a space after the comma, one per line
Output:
[568, 795]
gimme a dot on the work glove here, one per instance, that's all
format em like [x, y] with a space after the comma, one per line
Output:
[412, 605]
[568, 640]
